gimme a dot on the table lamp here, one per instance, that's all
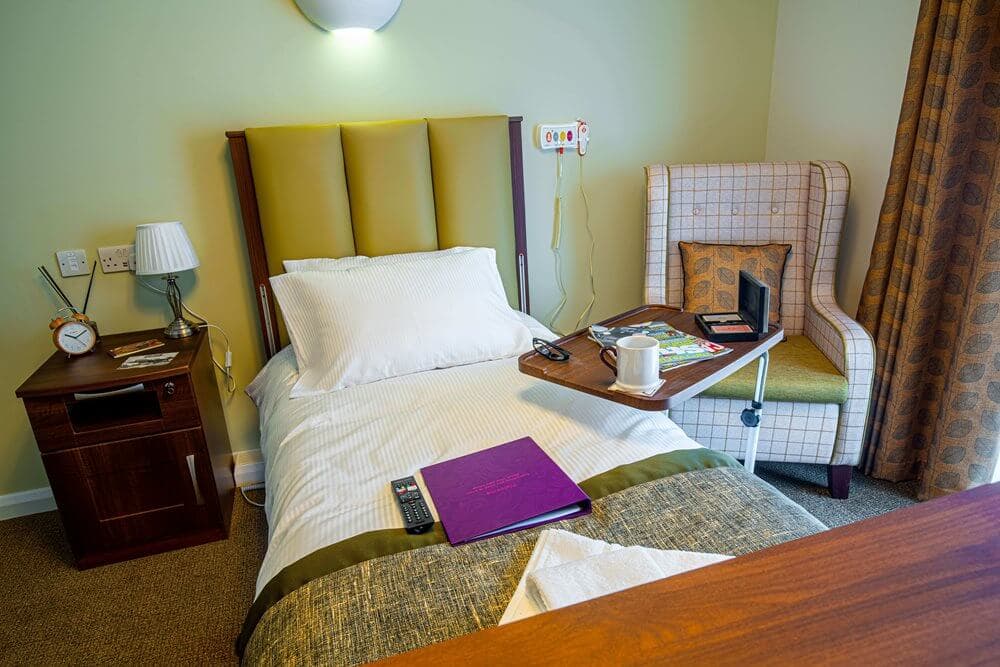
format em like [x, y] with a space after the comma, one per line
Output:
[164, 249]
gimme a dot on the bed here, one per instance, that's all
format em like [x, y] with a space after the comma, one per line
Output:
[341, 582]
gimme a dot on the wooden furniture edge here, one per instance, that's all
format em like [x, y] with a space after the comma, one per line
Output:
[520, 225]
[250, 214]
[25, 389]
[775, 605]
[652, 403]
[194, 372]
[239, 153]
[215, 429]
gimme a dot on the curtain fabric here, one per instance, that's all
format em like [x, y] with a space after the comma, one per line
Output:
[931, 298]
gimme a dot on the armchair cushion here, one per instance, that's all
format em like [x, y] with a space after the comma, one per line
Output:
[711, 273]
[797, 372]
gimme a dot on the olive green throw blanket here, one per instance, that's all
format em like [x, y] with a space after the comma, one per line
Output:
[342, 604]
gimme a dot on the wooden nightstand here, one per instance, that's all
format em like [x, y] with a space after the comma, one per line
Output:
[138, 460]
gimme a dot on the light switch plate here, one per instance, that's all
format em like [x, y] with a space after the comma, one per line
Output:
[117, 258]
[72, 263]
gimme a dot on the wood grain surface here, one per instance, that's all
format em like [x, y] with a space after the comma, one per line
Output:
[138, 472]
[239, 153]
[97, 370]
[919, 585]
[585, 372]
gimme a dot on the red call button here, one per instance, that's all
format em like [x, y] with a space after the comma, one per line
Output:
[569, 136]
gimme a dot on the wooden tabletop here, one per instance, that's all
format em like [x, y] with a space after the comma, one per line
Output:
[97, 370]
[585, 372]
[919, 585]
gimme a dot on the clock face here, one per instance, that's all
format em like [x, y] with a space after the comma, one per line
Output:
[75, 338]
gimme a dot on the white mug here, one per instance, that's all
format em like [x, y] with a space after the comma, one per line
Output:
[636, 361]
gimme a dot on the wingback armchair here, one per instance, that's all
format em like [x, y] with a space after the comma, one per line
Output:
[819, 380]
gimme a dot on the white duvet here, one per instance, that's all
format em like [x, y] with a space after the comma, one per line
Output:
[329, 459]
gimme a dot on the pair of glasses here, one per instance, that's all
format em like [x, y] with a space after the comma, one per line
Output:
[549, 350]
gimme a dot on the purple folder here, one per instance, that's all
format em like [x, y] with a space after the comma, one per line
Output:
[500, 490]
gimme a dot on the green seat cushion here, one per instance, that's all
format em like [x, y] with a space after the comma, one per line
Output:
[797, 371]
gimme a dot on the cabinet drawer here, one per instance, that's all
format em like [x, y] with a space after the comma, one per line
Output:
[133, 491]
[116, 413]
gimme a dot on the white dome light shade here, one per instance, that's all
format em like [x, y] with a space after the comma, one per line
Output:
[341, 14]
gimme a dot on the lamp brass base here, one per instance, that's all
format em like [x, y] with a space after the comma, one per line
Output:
[179, 328]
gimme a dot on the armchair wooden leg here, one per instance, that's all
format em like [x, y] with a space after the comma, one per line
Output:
[838, 480]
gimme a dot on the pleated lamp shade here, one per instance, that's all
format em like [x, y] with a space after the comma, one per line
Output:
[163, 247]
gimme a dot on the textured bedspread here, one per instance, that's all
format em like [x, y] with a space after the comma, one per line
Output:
[357, 614]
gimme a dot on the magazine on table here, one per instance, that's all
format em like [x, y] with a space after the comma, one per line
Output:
[676, 347]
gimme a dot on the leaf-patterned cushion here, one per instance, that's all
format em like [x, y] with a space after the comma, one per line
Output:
[712, 273]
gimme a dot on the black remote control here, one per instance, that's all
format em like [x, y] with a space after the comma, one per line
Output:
[416, 517]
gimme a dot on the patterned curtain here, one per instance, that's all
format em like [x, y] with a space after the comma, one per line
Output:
[931, 298]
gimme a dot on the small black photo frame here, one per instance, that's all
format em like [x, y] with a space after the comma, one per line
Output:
[749, 323]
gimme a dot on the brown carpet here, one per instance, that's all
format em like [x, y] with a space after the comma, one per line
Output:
[805, 483]
[187, 606]
[179, 607]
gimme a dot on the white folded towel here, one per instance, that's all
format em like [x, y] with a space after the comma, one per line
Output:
[603, 574]
[555, 548]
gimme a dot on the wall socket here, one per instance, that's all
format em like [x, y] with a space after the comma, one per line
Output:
[117, 258]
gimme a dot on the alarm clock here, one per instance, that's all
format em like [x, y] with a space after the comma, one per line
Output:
[75, 335]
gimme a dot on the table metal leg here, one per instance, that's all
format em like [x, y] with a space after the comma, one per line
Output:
[751, 416]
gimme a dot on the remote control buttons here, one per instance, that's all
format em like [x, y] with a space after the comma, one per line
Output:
[416, 515]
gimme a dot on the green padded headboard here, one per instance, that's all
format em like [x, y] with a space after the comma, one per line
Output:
[377, 189]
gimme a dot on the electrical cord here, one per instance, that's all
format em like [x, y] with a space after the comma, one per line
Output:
[590, 233]
[556, 241]
[244, 494]
[227, 369]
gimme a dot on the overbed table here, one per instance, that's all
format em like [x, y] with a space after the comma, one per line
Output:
[585, 372]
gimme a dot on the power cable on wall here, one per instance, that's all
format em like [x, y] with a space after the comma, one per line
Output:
[227, 368]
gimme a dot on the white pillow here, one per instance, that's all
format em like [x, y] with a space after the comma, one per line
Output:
[354, 261]
[383, 320]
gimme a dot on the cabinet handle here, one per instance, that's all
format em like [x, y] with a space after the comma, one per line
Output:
[169, 389]
[114, 392]
[194, 480]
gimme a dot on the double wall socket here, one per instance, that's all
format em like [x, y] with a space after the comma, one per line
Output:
[117, 258]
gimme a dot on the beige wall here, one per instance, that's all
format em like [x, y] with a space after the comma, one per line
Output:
[113, 114]
[836, 89]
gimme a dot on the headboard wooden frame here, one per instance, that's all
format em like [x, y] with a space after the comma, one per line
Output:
[240, 154]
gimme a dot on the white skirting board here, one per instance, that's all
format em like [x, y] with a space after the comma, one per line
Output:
[28, 502]
[248, 470]
[248, 467]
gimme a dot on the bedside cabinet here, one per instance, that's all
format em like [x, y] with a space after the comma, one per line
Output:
[139, 459]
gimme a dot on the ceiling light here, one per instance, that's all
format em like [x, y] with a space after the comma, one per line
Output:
[349, 14]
